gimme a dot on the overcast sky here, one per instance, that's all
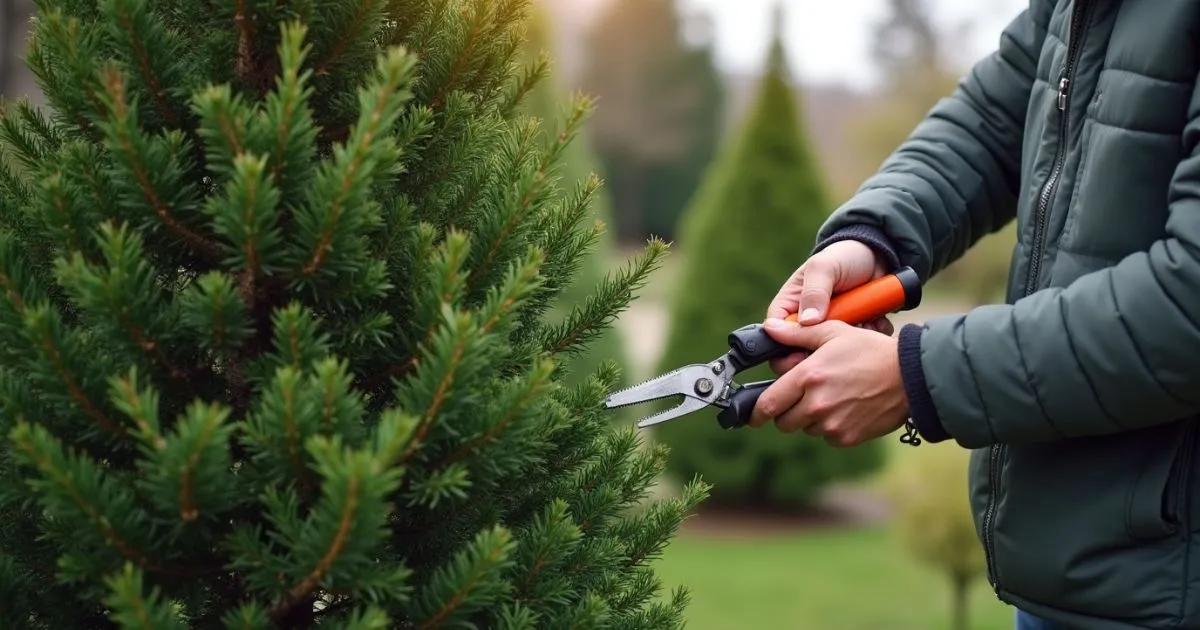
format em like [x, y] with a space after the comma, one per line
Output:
[829, 40]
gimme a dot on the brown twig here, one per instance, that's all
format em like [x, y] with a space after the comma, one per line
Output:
[439, 398]
[143, 62]
[459, 595]
[338, 205]
[187, 500]
[306, 586]
[114, 539]
[293, 437]
[117, 89]
[244, 62]
[73, 388]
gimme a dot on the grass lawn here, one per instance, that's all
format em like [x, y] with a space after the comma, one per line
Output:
[840, 580]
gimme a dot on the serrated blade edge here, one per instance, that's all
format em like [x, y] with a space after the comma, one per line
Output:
[674, 383]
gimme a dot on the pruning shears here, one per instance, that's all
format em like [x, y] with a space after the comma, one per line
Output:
[711, 384]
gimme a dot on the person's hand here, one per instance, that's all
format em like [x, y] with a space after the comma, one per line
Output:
[840, 267]
[848, 391]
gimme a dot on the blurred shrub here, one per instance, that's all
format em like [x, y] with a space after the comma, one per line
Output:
[981, 275]
[661, 107]
[754, 220]
[911, 52]
[933, 518]
[545, 102]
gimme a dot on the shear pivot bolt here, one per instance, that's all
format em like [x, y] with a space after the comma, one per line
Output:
[704, 387]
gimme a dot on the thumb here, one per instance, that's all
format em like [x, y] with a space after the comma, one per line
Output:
[803, 337]
[819, 277]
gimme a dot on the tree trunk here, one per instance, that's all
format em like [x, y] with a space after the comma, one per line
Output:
[960, 590]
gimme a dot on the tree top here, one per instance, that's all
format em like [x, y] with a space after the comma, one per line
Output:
[776, 52]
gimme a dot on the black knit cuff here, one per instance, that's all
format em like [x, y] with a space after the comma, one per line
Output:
[868, 235]
[920, 403]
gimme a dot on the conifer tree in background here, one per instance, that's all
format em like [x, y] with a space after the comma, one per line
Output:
[545, 101]
[273, 292]
[753, 221]
[662, 114]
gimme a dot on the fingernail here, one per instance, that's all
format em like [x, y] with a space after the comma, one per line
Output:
[810, 314]
[774, 323]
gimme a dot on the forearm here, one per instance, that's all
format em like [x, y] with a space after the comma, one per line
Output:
[1114, 351]
[1044, 368]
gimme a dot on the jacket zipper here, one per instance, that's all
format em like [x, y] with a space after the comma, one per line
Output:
[1183, 490]
[989, 547]
[1078, 14]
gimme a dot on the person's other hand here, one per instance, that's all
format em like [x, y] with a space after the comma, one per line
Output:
[848, 391]
[840, 267]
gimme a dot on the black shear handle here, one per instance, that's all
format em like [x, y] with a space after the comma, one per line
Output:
[751, 346]
[741, 405]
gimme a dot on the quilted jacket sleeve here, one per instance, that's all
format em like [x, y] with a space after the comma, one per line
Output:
[955, 178]
[1115, 350]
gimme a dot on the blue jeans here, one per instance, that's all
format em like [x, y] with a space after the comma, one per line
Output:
[1026, 621]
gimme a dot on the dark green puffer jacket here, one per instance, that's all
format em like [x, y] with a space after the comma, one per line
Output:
[1080, 395]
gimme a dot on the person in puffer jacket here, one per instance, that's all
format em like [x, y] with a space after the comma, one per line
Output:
[1078, 396]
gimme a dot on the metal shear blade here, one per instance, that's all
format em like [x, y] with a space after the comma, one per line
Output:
[698, 384]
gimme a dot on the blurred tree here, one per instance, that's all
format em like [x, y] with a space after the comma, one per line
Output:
[933, 519]
[752, 222]
[909, 51]
[578, 162]
[14, 77]
[661, 104]
[981, 275]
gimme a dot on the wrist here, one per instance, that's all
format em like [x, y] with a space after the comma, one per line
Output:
[920, 403]
[869, 235]
[894, 380]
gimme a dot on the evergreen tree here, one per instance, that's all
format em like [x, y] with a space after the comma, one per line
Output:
[545, 102]
[756, 215]
[273, 288]
[663, 106]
